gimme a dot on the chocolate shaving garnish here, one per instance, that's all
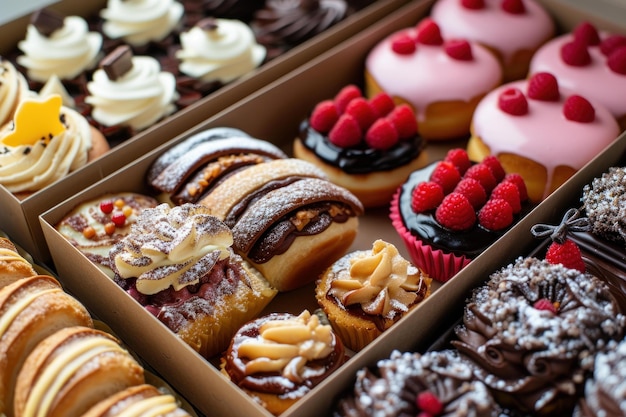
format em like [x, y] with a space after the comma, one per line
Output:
[118, 62]
[208, 24]
[47, 21]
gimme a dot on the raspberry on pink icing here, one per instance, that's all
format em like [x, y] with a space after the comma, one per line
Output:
[430, 74]
[492, 25]
[544, 134]
[594, 81]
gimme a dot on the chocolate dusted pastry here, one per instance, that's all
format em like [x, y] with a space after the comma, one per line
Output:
[282, 24]
[533, 330]
[178, 263]
[280, 357]
[436, 383]
[290, 222]
[188, 172]
[605, 390]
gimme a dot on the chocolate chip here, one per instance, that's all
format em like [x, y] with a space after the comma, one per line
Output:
[47, 21]
[207, 24]
[118, 62]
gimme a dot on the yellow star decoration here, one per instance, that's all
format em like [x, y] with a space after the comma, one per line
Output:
[35, 120]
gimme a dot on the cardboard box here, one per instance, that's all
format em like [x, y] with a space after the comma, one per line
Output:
[20, 220]
[273, 113]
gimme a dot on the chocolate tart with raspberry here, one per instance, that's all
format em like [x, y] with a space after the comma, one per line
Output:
[452, 210]
[369, 146]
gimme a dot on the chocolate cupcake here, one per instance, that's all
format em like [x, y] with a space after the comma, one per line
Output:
[533, 330]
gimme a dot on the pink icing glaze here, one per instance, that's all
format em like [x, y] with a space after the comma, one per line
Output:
[429, 75]
[492, 26]
[595, 81]
[543, 134]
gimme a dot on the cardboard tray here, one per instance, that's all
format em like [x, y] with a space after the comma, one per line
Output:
[20, 219]
[273, 113]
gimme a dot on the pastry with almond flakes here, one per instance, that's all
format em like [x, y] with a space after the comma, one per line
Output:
[368, 146]
[365, 292]
[452, 210]
[278, 358]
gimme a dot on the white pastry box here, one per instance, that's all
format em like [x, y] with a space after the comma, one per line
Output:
[273, 113]
[20, 217]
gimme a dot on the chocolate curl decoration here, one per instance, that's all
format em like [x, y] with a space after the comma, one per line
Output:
[118, 62]
[47, 21]
[571, 222]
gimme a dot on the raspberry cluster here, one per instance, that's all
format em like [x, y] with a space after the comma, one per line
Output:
[613, 47]
[543, 86]
[463, 194]
[427, 32]
[351, 120]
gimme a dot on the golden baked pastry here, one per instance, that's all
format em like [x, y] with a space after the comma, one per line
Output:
[13, 266]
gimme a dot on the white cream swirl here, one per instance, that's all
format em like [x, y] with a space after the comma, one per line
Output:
[380, 280]
[222, 53]
[138, 22]
[138, 98]
[286, 345]
[66, 53]
[13, 89]
[27, 168]
[171, 247]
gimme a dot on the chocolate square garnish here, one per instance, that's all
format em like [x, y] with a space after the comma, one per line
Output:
[118, 62]
[47, 21]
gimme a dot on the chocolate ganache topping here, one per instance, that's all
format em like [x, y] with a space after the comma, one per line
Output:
[394, 387]
[534, 328]
[361, 159]
[283, 353]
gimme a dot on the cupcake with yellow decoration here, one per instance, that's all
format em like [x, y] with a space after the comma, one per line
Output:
[44, 142]
[365, 292]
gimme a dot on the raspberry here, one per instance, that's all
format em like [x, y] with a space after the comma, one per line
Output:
[106, 206]
[362, 111]
[458, 156]
[472, 189]
[345, 96]
[403, 44]
[324, 116]
[428, 402]
[575, 53]
[428, 32]
[495, 166]
[587, 33]
[513, 102]
[617, 60]
[381, 135]
[473, 4]
[483, 175]
[513, 6]
[404, 120]
[496, 214]
[455, 212]
[426, 196]
[119, 219]
[545, 305]
[517, 179]
[543, 86]
[566, 254]
[609, 44]
[446, 175]
[382, 103]
[459, 49]
[508, 192]
[346, 132]
[578, 109]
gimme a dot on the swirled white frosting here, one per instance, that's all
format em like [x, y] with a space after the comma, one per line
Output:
[13, 89]
[66, 53]
[171, 247]
[223, 53]
[33, 167]
[138, 22]
[138, 98]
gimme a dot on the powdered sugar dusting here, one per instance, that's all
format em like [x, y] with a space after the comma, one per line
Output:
[604, 201]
